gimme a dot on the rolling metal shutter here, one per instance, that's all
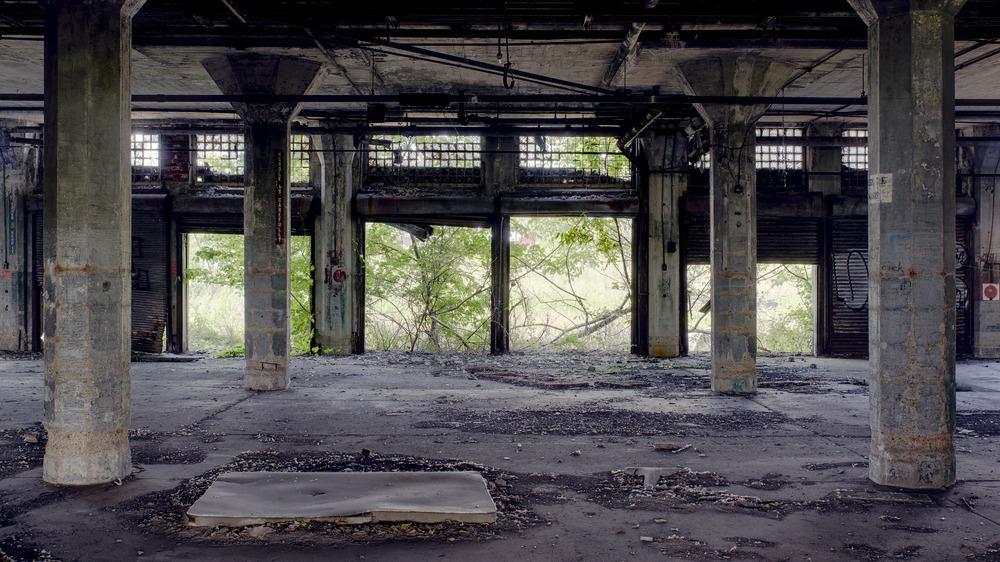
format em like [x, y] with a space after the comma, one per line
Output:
[149, 279]
[149, 274]
[779, 239]
[849, 286]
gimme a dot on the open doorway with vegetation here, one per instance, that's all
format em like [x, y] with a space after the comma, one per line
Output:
[571, 283]
[215, 293]
[427, 289]
[784, 308]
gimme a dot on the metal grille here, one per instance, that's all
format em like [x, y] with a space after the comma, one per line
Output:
[855, 157]
[220, 158]
[423, 160]
[781, 156]
[704, 163]
[145, 158]
[572, 161]
[299, 166]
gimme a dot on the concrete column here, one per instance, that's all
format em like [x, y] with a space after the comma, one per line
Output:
[734, 207]
[911, 240]
[337, 241]
[19, 177]
[500, 284]
[266, 214]
[666, 155]
[986, 245]
[501, 163]
[88, 242]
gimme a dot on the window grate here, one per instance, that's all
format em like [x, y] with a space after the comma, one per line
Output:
[220, 158]
[704, 162]
[423, 160]
[781, 156]
[855, 157]
[573, 161]
[145, 158]
[298, 172]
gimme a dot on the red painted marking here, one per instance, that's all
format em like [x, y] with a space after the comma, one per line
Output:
[339, 275]
[6, 274]
[990, 292]
[279, 203]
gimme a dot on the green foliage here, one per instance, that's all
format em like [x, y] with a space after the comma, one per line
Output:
[237, 351]
[784, 308]
[217, 259]
[570, 283]
[428, 294]
[784, 303]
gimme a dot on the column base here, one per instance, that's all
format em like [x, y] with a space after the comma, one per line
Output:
[925, 472]
[266, 376]
[739, 385]
[335, 345]
[80, 459]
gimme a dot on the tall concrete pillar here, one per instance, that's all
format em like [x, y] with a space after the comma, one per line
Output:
[19, 166]
[986, 246]
[501, 162]
[911, 240]
[266, 214]
[337, 241]
[734, 206]
[500, 284]
[88, 240]
[666, 157]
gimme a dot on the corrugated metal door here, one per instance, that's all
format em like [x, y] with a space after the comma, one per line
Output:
[779, 239]
[849, 286]
[149, 279]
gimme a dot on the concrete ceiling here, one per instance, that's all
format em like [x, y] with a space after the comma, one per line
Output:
[602, 65]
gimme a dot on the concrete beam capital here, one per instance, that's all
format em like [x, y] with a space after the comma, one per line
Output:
[738, 75]
[264, 75]
[871, 10]
[126, 8]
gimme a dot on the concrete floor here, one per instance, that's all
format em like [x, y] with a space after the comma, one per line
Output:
[777, 476]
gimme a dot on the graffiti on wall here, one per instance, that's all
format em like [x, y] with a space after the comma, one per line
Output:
[850, 277]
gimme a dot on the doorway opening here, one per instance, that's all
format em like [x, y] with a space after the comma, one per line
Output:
[785, 308]
[571, 282]
[215, 281]
[427, 288]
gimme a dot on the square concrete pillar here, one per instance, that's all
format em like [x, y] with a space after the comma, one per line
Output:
[986, 246]
[337, 249]
[266, 200]
[911, 240]
[666, 157]
[733, 201]
[87, 194]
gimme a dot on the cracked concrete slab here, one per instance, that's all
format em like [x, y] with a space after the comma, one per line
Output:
[255, 498]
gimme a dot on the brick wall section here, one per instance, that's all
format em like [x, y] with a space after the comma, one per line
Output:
[175, 158]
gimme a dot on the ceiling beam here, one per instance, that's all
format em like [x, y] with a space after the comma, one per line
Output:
[625, 52]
